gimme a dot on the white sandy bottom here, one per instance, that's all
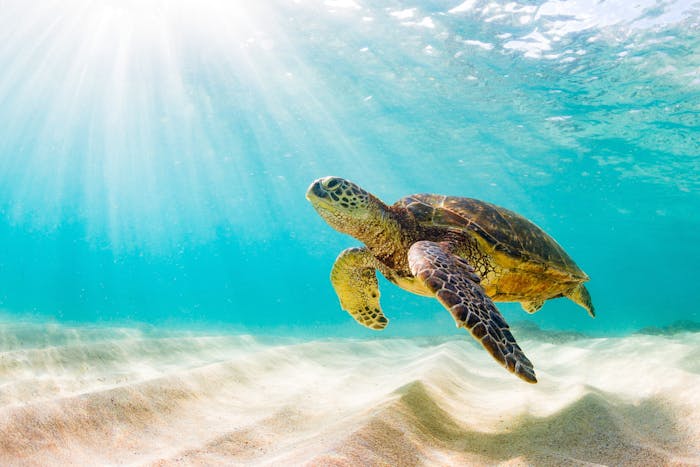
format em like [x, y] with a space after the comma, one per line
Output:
[121, 397]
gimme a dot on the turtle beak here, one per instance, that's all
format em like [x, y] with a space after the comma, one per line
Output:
[316, 190]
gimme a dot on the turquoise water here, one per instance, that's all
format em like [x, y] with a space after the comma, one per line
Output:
[154, 155]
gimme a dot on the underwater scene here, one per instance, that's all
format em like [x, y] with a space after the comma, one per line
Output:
[349, 232]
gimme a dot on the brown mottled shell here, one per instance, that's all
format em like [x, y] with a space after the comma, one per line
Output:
[504, 230]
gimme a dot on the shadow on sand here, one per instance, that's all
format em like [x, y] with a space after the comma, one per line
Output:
[414, 429]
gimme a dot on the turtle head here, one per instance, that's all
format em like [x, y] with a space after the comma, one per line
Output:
[344, 205]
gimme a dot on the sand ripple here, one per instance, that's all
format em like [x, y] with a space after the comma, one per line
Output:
[119, 396]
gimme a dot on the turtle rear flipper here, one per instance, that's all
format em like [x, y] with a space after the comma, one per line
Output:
[532, 306]
[581, 297]
[457, 287]
[354, 279]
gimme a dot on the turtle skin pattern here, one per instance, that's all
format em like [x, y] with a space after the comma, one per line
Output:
[457, 287]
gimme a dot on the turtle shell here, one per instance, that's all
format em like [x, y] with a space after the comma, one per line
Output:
[501, 228]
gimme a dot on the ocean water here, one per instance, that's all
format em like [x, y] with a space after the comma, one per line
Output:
[154, 157]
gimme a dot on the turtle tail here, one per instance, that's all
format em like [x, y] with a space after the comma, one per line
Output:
[580, 296]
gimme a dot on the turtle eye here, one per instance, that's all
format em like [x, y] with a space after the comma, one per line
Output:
[331, 183]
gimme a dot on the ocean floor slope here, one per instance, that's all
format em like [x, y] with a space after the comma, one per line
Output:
[128, 397]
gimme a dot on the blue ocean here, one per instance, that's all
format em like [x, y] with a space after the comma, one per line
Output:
[164, 283]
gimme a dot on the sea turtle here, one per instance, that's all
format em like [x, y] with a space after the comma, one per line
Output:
[464, 252]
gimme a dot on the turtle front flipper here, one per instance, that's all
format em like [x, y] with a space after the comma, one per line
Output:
[354, 279]
[457, 287]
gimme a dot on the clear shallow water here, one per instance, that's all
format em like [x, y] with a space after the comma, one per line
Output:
[154, 155]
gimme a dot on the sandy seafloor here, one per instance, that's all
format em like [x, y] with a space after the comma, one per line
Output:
[97, 395]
